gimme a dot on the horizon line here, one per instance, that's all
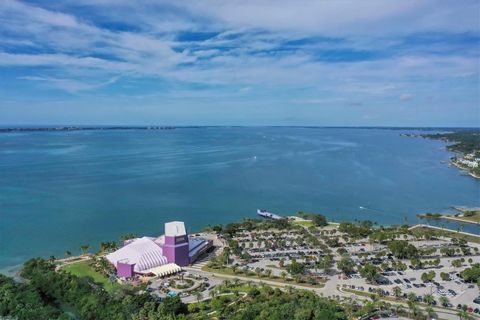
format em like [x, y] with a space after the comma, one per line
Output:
[46, 126]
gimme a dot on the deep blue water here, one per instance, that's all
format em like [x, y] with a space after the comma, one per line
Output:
[59, 190]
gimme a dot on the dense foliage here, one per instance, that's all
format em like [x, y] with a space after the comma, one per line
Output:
[466, 141]
[55, 294]
[402, 249]
[273, 304]
[357, 230]
[22, 302]
[472, 274]
[317, 219]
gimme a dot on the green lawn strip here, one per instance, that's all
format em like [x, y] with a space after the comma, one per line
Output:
[446, 233]
[229, 271]
[306, 223]
[84, 269]
[388, 298]
[473, 219]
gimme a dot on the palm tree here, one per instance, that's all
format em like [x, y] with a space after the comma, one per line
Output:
[226, 255]
[236, 281]
[411, 297]
[104, 246]
[212, 293]
[415, 310]
[399, 309]
[84, 248]
[283, 274]
[428, 299]
[397, 291]
[464, 315]
[430, 312]
[443, 301]
[297, 278]
[268, 272]
[128, 236]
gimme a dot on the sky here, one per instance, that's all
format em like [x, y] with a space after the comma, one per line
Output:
[246, 62]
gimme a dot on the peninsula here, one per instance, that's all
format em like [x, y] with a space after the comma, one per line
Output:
[465, 143]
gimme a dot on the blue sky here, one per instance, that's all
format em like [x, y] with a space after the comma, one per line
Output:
[259, 62]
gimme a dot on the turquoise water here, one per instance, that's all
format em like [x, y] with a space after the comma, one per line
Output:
[59, 190]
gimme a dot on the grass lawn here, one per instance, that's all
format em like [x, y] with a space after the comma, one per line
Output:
[84, 269]
[388, 298]
[229, 271]
[306, 223]
[474, 217]
[445, 233]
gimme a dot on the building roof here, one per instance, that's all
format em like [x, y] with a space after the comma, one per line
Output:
[143, 252]
[166, 269]
[175, 229]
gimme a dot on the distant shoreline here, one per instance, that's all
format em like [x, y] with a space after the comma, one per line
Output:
[463, 169]
[54, 128]
[75, 128]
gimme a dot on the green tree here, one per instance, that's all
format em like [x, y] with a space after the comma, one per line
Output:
[369, 272]
[84, 248]
[346, 265]
[428, 299]
[443, 301]
[397, 291]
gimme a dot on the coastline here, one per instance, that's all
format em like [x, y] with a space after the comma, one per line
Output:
[464, 169]
[459, 219]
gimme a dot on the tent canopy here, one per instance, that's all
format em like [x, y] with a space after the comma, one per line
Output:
[166, 269]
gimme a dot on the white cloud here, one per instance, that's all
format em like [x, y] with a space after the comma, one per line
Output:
[70, 85]
[243, 54]
[406, 97]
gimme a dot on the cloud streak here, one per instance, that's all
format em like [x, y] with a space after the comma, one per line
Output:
[338, 53]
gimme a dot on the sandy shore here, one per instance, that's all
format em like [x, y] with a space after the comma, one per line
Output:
[465, 170]
[459, 219]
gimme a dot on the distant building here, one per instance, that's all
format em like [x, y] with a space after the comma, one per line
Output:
[159, 256]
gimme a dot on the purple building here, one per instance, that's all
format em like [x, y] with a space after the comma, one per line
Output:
[147, 254]
[175, 246]
[125, 269]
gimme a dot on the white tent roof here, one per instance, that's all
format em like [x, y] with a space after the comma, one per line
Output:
[144, 252]
[166, 269]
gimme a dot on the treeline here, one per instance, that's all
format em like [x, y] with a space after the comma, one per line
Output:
[51, 294]
[318, 220]
[22, 301]
[273, 304]
[465, 141]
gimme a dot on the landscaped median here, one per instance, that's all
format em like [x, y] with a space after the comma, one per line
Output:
[279, 280]
[422, 229]
[369, 295]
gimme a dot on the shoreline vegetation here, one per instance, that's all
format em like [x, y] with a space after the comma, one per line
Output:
[466, 215]
[464, 143]
[84, 287]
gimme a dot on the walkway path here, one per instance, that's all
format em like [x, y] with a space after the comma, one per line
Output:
[421, 225]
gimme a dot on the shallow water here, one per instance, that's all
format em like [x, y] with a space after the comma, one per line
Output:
[59, 190]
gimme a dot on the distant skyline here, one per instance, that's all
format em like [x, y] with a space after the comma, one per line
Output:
[263, 62]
